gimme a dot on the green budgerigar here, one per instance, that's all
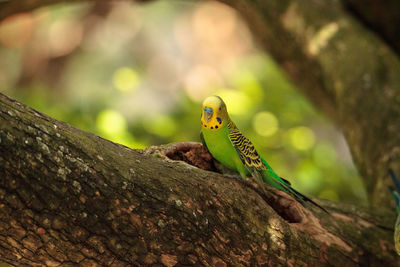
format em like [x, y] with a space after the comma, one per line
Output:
[233, 150]
[396, 196]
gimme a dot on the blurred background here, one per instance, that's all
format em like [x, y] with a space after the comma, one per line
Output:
[137, 75]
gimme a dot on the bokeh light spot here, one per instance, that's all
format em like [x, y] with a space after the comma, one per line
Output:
[265, 123]
[246, 81]
[125, 79]
[161, 125]
[309, 176]
[214, 22]
[200, 81]
[111, 122]
[64, 37]
[236, 101]
[113, 126]
[16, 30]
[301, 138]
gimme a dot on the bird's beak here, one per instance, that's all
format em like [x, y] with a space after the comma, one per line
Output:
[208, 112]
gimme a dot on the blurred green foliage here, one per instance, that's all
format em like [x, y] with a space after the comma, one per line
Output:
[137, 75]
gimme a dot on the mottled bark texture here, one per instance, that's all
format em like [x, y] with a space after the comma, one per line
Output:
[70, 197]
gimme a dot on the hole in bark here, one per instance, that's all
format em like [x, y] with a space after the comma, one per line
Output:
[193, 154]
[289, 210]
[283, 204]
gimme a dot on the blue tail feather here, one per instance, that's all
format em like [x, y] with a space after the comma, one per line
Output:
[395, 180]
[396, 190]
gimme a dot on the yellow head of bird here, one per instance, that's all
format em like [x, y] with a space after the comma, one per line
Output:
[214, 113]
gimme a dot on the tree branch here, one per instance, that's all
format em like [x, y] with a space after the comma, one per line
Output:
[383, 19]
[345, 70]
[70, 197]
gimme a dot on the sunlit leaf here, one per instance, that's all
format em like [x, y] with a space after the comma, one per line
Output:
[265, 123]
[126, 79]
[160, 125]
[301, 138]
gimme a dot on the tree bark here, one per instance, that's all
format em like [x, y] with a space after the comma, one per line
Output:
[70, 197]
[383, 19]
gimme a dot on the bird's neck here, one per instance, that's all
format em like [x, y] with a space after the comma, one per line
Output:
[230, 124]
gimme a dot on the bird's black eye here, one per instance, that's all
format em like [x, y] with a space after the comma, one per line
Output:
[219, 108]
